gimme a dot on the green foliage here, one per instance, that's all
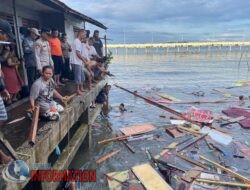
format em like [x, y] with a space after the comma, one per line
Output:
[109, 57]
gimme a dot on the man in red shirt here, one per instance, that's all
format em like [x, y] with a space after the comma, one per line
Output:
[56, 53]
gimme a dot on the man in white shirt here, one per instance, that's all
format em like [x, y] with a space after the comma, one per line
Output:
[78, 61]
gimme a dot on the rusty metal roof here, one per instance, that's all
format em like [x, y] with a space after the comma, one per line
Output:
[63, 7]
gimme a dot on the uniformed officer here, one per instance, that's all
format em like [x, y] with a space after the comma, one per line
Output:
[42, 51]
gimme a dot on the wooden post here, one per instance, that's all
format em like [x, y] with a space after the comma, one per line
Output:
[105, 42]
[19, 43]
[7, 145]
[33, 127]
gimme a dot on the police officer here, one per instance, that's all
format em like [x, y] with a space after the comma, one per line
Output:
[42, 51]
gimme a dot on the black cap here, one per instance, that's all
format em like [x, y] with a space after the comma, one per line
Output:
[6, 28]
[45, 30]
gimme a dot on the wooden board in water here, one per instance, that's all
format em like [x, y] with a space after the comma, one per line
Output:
[168, 97]
[150, 178]
[123, 180]
[137, 129]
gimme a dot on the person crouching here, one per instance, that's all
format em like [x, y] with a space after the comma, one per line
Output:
[42, 92]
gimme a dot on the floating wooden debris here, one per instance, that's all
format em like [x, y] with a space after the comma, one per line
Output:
[233, 120]
[192, 161]
[172, 111]
[107, 156]
[168, 97]
[126, 144]
[192, 174]
[236, 175]
[150, 179]
[224, 183]
[191, 143]
[122, 137]
[137, 129]
[237, 112]
[121, 179]
[167, 149]
[174, 132]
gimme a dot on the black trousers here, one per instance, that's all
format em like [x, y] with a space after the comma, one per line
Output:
[31, 74]
[66, 69]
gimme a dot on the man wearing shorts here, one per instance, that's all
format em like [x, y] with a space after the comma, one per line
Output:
[78, 62]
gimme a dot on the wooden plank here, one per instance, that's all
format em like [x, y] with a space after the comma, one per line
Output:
[191, 143]
[192, 174]
[168, 97]
[233, 120]
[137, 129]
[224, 183]
[107, 156]
[122, 137]
[126, 144]
[33, 127]
[159, 106]
[236, 175]
[192, 161]
[123, 180]
[150, 178]
[7, 145]
[167, 149]
[174, 132]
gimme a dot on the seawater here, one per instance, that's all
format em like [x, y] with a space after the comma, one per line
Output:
[177, 74]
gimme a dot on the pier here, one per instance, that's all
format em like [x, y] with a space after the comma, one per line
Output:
[179, 47]
[73, 128]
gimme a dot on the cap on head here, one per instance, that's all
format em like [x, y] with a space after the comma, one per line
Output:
[6, 28]
[35, 31]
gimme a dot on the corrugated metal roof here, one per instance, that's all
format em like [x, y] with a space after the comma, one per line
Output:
[63, 7]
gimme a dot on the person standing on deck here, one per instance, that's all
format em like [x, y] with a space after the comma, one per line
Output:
[42, 92]
[98, 43]
[42, 51]
[78, 62]
[57, 56]
[66, 49]
[29, 55]
[5, 34]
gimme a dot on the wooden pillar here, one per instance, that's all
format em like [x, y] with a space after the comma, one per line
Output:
[19, 42]
[105, 42]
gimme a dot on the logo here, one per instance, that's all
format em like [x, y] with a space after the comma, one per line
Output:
[16, 171]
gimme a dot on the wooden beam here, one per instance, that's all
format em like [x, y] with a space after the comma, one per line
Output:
[33, 127]
[192, 161]
[236, 175]
[107, 156]
[224, 183]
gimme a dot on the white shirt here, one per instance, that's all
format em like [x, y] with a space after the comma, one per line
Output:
[77, 46]
[92, 52]
[85, 51]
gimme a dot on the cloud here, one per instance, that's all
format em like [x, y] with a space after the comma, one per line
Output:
[141, 18]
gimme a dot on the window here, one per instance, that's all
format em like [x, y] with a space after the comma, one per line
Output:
[30, 23]
[7, 17]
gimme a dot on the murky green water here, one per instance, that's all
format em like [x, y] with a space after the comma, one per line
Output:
[177, 74]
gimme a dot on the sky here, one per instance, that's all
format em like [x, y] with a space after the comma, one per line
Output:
[159, 21]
